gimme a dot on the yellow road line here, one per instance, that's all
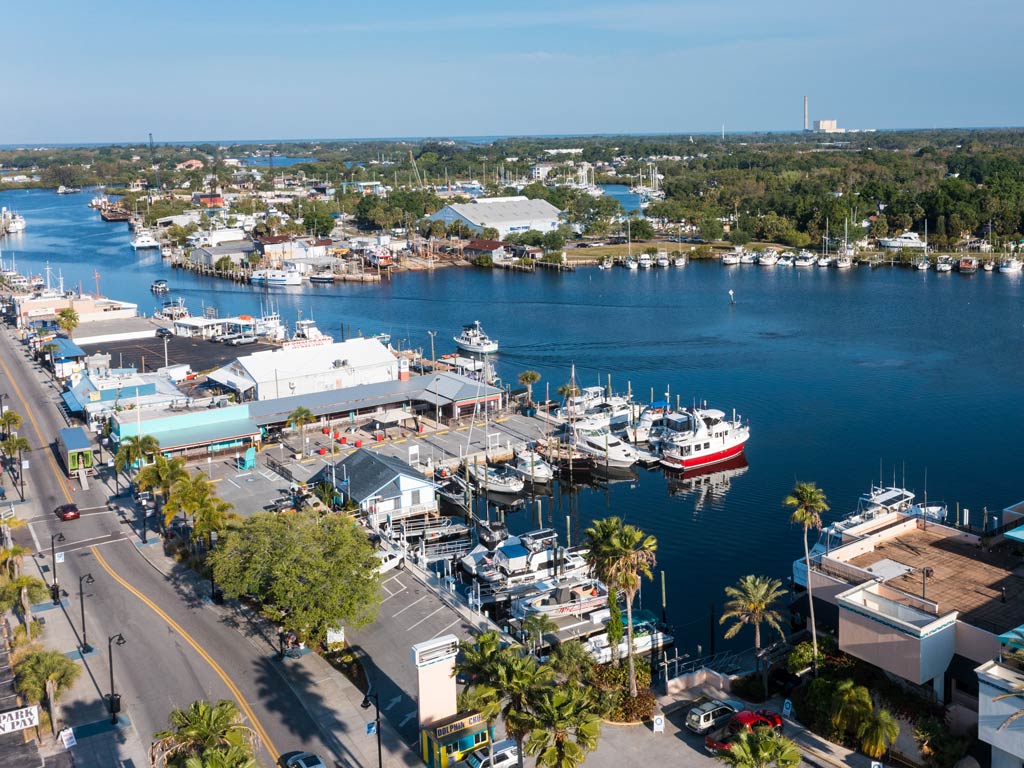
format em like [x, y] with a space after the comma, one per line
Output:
[61, 481]
[256, 724]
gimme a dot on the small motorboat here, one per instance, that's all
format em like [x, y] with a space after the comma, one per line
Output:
[159, 286]
[532, 468]
[495, 479]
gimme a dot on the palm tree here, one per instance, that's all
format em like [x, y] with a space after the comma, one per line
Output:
[600, 543]
[67, 320]
[10, 421]
[25, 591]
[564, 727]
[12, 558]
[763, 748]
[568, 390]
[134, 450]
[161, 476]
[518, 676]
[193, 495]
[299, 418]
[200, 728]
[851, 706]
[751, 602]
[570, 660]
[877, 732]
[15, 445]
[43, 676]
[535, 626]
[486, 701]
[528, 379]
[626, 555]
[808, 502]
[225, 757]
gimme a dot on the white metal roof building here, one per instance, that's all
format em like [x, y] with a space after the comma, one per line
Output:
[508, 215]
[303, 369]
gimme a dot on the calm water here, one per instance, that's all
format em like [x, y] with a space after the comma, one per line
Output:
[836, 371]
[630, 201]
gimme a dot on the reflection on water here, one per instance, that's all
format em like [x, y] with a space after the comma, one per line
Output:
[710, 484]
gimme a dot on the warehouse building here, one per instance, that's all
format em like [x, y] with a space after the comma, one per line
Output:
[307, 366]
[508, 215]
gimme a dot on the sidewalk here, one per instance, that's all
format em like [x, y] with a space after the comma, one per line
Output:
[99, 744]
[325, 693]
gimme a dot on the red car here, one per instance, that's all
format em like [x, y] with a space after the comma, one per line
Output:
[742, 722]
[67, 512]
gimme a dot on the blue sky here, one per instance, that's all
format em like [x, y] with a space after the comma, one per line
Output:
[115, 71]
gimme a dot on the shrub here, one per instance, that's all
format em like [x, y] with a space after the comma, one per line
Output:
[749, 687]
[801, 657]
[940, 747]
[484, 260]
[630, 710]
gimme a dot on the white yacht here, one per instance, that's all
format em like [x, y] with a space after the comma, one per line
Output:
[805, 259]
[843, 262]
[473, 339]
[730, 259]
[631, 263]
[944, 264]
[276, 277]
[825, 261]
[647, 637]
[699, 437]
[144, 239]
[768, 259]
[494, 480]
[786, 259]
[1011, 266]
[596, 440]
[16, 224]
[679, 261]
[645, 261]
[905, 240]
[532, 468]
[662, 260]
[748, 257]
[159, 286]
[923, 264]
[559, 597]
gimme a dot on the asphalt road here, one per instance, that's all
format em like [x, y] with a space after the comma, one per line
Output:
[158, 668]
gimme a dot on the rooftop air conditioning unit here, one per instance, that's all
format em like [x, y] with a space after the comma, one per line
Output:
[434, 651]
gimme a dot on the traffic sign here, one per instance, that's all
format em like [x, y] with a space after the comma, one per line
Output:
[371, 728]
[659, 723]
[59, 558]
[787, 708]
[876, 764]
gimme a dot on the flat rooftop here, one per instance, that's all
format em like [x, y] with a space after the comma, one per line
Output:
[965, 577]
[200, 354]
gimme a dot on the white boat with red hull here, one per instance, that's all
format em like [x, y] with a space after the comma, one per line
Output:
[712, 437]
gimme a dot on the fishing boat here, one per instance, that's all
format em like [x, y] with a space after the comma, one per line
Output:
[495, 479]
[708, 437]
[647, 637]
[159, 286]
[560, 597]
[968, 265]
[275, 277]
[144, 239]
[597, 441]
[805, 259]
[1011, 266]
[532, 468]
[173, 310]
[473, 339]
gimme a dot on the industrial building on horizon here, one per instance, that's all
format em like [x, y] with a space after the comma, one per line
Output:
[827, 126]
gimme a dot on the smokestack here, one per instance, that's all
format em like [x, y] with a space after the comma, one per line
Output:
[807, 124]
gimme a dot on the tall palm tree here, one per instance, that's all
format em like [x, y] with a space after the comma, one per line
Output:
[134, 450]
[25, 591]
[564, 727]
[764, 748]
[194, 495]
[808, 502]
[10, 421]
[486, 701]
[528, 379]
[851, 706]
[161, 475]
[12, 446]
[601, 543]
[300, 418]
[518, 676]
[43, 676]
[877, 732]
[12, 558]
[626, 555]
[570, 660]
[751, 602]
[67, 320]
[201, 727]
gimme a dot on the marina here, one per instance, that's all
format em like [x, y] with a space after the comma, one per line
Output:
[792, 381]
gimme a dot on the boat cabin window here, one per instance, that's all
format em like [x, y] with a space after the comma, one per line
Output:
[706, 446]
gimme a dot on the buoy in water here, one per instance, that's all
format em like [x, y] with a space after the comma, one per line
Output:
[732, 297]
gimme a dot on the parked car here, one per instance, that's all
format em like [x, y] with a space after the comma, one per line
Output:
[164, 333]
[742, 722]
[390, 560]
[504, 753]
[244, 339]
[305, 760]
[711, 714]
[67, 512]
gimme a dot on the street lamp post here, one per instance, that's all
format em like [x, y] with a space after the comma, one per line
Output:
[21, 475]
[115, 698]
[54, 586]
[82, 580]
[376, 705]
[432, 334]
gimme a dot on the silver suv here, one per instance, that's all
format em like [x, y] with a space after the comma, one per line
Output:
[506, 755]
[711, 714]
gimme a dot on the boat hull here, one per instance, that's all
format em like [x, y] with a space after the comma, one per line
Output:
[702, 461]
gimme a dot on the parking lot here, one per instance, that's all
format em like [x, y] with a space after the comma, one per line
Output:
[201, 354]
